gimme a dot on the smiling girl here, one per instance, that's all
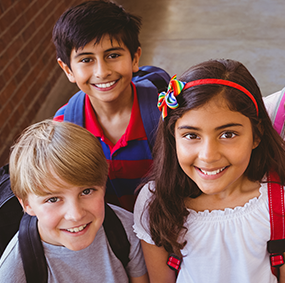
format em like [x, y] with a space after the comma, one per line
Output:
[207, 199]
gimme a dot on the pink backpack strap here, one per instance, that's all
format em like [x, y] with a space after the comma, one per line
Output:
[278, 121]
[276, 245]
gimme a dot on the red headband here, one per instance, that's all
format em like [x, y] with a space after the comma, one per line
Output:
[226, 83]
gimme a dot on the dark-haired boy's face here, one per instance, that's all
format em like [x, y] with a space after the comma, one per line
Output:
[103, 71]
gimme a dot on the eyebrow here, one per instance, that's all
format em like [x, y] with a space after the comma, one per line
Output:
[229, 125]
[91, 53]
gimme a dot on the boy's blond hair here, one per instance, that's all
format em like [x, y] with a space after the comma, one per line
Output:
[48, 151]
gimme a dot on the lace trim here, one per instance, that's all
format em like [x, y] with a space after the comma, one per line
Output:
[249, 206]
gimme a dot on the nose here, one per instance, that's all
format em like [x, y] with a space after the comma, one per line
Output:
[209, 151]
[74, 211]
[102, 69]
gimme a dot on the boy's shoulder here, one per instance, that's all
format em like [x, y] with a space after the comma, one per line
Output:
[125, 216]
[11, 266]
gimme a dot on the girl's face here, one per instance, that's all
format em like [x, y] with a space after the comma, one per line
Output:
[214, 146]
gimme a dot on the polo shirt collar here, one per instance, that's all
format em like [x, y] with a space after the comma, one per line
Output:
[135, 129]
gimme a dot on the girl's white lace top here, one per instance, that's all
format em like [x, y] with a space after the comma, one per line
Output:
[222, 245]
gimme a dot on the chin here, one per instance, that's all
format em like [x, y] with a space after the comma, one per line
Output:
[78, 247]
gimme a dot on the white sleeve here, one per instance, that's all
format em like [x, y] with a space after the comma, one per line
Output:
[271, 102]
[141, 216]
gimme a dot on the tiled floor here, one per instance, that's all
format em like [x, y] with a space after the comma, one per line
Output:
[179, 33]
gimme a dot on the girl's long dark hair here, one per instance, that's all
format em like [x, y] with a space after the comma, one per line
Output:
[167, 209]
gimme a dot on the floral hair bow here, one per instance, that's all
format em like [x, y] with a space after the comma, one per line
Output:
[168, 99]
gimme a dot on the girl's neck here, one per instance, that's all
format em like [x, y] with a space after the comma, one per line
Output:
[238, 197]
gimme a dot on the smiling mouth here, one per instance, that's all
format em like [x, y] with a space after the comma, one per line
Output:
[105, 85]
[212, 173]
[77, 229]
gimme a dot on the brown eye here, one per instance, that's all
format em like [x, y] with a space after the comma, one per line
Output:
[86, 60]
[228, 135]
[191, 136]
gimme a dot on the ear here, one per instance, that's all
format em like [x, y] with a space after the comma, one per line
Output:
[256, 143]
[136, 59]
[257, 140]
[67, 71]
[26, 206]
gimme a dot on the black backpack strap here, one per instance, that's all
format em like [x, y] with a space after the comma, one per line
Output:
[11, 210]
[116, 235]
[32, 252]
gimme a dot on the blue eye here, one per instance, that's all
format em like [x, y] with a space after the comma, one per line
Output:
[87, 192]
[53, 199]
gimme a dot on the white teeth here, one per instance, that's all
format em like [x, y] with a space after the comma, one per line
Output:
[210, 173]
[105, 85]
[77, 229]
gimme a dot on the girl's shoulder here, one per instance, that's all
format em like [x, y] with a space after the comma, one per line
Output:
[145, 193]
[141, 215]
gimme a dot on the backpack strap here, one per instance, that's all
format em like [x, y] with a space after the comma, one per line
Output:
[11, 210]
[279, 114]
[147, 99]
[174, 262]
[156, 75]
[74, 111]
[32, 252]
[116, 235]
[276, 245]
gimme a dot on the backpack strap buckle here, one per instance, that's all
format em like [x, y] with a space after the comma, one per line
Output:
[277, 260]
[174, 262]
[276, 248]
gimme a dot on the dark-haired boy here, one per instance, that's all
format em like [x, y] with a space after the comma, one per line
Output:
[98, 48]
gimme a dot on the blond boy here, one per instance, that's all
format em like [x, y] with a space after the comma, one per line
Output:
[58, 172]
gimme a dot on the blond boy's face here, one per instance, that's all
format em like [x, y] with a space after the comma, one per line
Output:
[70, 216]
[103, 71]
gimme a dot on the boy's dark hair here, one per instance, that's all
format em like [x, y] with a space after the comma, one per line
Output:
[172, 185]
[90, 21]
